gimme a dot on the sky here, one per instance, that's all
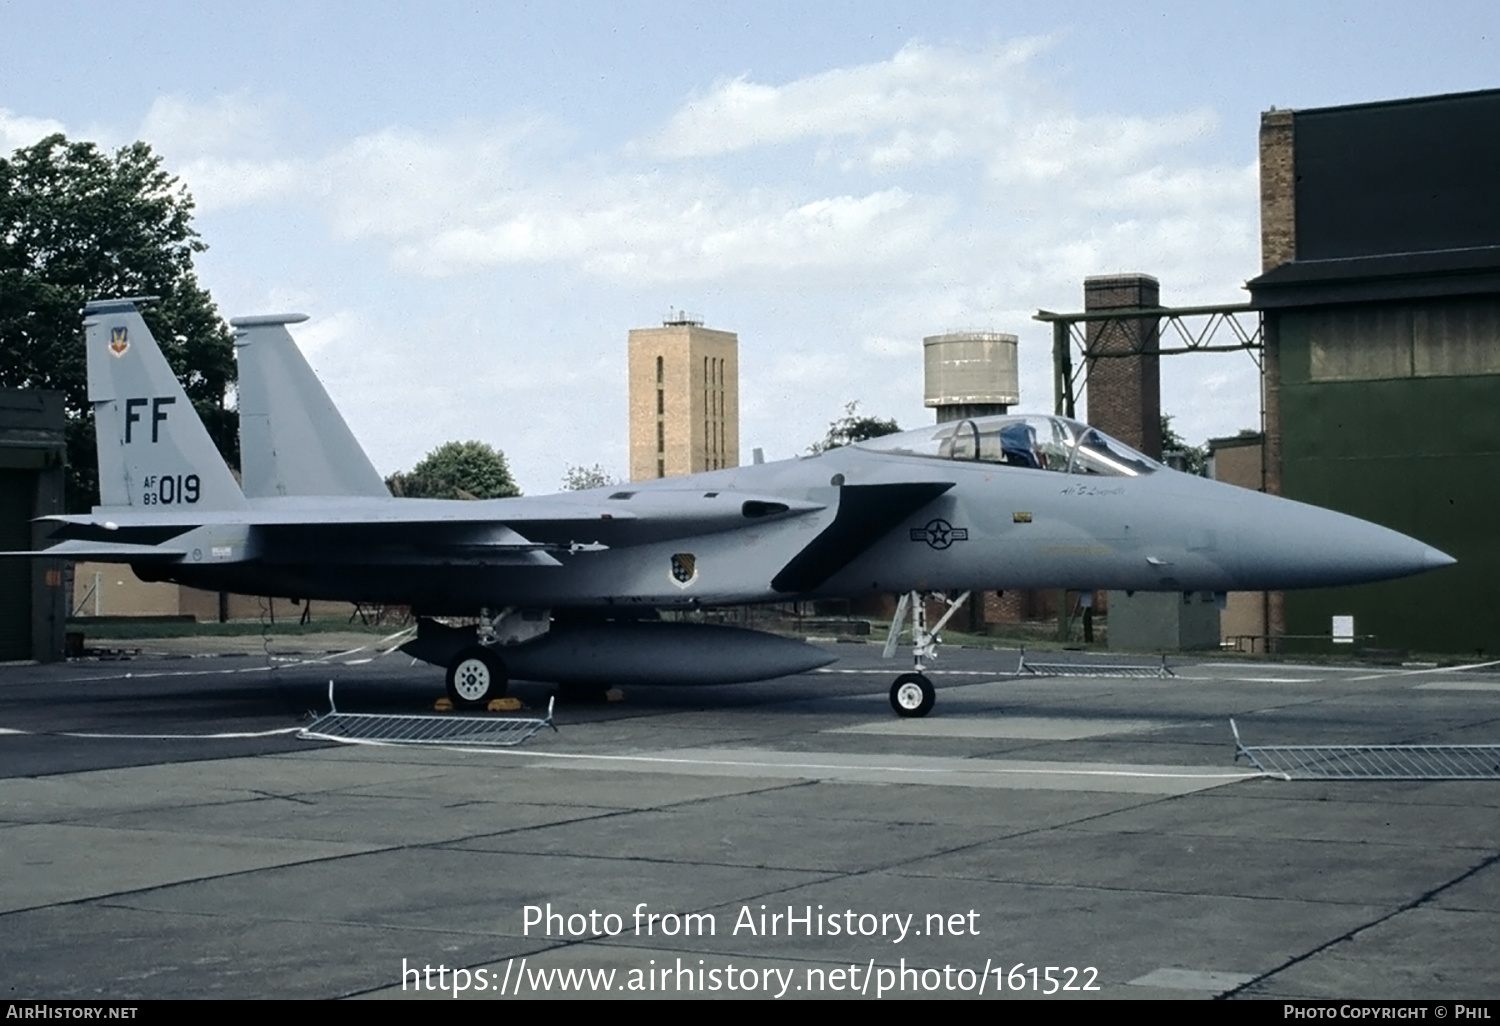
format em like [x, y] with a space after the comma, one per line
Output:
[475, 202]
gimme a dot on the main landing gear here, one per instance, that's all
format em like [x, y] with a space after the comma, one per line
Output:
[476, 675]
[913, 693]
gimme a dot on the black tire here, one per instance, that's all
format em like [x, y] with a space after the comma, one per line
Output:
[912, 695]
[476, 677]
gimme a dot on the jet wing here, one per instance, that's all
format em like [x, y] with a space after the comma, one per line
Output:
[405, 531]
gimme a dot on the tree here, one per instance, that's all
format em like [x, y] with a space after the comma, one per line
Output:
[578, 479]
[851, 428]
[1194, 457]
[78, 224]
[457, 470]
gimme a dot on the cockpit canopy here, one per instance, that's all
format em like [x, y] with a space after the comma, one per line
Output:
[1031, 441]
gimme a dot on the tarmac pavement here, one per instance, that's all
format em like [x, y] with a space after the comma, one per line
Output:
[1099, 826]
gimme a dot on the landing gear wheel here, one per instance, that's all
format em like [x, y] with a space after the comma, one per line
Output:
[475, 677]
[912, 695]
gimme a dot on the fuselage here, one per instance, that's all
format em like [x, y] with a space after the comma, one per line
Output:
[1114, 521]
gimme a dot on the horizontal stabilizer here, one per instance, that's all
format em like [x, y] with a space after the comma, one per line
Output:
[865, 514]
[133, 536]
[104, 552]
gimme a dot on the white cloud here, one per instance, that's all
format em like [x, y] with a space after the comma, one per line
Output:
[928, 106]
[918, 87]
[632, 231]
[1046, 144]
[887, 346]
[218, 184]
[985, 168]
[1159, 188]
[17, 131]
[329, 332]
[399, 182]
[235, 123]
[225, 149]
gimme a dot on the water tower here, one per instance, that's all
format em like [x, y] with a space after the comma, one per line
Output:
[970, 374]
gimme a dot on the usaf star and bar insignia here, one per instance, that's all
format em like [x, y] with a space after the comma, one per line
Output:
[939, 534]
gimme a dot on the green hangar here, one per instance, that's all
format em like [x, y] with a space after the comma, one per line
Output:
[1380, 306]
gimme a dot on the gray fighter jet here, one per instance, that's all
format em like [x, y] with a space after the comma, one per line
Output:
[565, 588]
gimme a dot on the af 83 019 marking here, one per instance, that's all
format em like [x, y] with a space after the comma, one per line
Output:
[170, 489]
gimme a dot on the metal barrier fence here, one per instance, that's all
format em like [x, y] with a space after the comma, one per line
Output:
[409, 729]
[1033, 669]
[1371, 762]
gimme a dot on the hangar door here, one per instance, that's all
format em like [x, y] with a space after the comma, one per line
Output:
[17, 495]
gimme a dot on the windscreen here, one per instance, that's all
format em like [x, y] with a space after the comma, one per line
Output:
[1028, 442]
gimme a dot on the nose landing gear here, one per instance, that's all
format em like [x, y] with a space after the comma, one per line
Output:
[913, 693]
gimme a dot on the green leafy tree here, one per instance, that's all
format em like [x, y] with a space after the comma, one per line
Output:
[457, 470]
[78, 224]
[1194, 457]
[851, 428]
[578, 479]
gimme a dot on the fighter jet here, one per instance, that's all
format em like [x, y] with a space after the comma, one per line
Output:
[565, 588]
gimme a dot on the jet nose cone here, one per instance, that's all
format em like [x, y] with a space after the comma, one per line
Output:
[1357, 551]
[1435, 559]
[1292, 545]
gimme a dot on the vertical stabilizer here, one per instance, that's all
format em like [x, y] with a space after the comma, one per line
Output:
[154, 452]
[293, 440]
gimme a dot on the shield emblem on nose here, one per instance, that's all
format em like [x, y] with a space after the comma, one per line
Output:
[684, 569]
